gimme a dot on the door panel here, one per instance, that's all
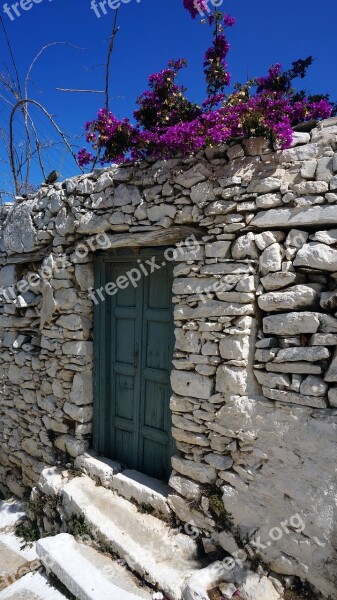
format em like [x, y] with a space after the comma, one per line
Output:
[124, 339]
[154, 413]
[124, 394]
[154, 459]
[157, 355]
[122, 316]
[123, 440]
[133, 353]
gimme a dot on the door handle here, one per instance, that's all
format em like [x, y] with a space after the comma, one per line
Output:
[135, 356]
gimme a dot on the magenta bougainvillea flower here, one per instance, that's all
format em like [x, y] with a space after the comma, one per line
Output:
[84, 157]
[167, 124]
[193, 5]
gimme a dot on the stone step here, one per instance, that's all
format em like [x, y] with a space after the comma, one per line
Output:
[129, 484]
[32, 586]
[164, 557]
[144, 490]
[86, 573]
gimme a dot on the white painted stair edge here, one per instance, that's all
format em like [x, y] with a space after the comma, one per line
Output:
[129, 483]
[60, 554]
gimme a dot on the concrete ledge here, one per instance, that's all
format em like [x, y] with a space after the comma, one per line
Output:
[81, 569]
[144, 489]
[129, 484]
[98, 468]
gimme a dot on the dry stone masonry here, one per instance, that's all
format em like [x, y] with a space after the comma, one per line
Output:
[254, 379]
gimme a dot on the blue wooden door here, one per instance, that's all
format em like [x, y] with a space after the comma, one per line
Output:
[133, 350]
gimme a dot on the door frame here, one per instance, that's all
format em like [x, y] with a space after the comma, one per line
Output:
[102, 349]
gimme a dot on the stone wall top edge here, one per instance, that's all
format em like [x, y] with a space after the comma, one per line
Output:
[303, 136]
[240, 163]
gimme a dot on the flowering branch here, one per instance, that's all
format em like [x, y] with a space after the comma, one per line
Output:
[215, 66]
[168, 124]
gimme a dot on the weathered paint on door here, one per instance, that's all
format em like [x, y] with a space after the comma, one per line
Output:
[133, 353]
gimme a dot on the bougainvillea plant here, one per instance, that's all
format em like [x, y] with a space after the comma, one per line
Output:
[167, 124]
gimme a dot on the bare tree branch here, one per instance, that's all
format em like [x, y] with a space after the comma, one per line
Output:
[81, 91]
[18, 94]
[26, 116]
[11, 140]
[107, 67]
[38, 147]
[43, 49]
[5, 100]
[107, 73]
[11, 53]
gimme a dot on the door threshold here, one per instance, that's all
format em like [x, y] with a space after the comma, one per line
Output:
[151, 495]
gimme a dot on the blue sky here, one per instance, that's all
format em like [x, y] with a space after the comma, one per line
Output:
[151, 32]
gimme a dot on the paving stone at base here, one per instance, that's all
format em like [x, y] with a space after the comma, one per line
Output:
[10, 562]
[32, 586]
[16, 544]
[15, 560]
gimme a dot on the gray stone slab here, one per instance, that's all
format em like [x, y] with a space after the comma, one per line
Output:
[296, 217]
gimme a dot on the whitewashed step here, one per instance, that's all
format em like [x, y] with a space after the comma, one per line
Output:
[31, 587]
[143, 489]
[86, 573]
[129, 483]
[163, 556]
[98, 468]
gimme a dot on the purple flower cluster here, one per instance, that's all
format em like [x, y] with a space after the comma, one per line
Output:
[215, 66]
[107, 132]
[84, 157]
[168, 124]
[192, 7]
[165, 104]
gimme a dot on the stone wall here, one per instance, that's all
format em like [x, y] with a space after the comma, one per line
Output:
[254, 404]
